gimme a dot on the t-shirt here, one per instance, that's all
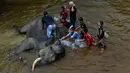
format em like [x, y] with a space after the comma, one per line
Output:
[102, 34]
[51, 30]
[83, 26]
[89, 39]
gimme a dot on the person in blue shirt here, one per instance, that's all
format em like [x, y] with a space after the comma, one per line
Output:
[73, 35]
[47, 20]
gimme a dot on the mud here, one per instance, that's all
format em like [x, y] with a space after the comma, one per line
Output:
[114, 60]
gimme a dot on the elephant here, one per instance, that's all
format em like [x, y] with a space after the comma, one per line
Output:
[32, 23]
[50, 54]
[33, 29]
[47, 54]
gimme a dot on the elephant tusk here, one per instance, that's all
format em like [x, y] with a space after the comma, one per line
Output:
[35, 62]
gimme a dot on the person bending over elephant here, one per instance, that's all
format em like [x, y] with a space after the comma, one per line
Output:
[73, 35]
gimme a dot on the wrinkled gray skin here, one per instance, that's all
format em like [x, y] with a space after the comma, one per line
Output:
[33, 29]
[50, 54]
[46, 54]
[37, 40]
[27, 26]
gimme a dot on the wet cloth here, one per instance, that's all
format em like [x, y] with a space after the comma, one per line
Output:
[74, 45]
[51, 30]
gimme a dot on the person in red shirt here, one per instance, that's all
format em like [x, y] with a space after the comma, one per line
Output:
[65, 22]
[87, 37]
[63, 13]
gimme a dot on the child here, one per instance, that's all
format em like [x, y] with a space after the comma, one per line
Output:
[88, 38]
[100, 36]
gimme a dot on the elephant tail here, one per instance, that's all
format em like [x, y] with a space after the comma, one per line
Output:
[35, 62]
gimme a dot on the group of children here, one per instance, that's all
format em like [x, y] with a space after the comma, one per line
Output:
[84, 36]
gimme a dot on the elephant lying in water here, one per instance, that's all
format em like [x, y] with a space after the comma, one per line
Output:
[46, 54]
[50, 54]
[33, 29]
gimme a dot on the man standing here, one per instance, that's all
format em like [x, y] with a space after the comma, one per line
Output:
[73, 11]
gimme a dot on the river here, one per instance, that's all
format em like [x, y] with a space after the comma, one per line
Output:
[114, 13]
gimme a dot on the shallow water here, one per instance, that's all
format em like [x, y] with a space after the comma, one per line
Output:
[17, 12]
[20, 11]
[114, 60]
